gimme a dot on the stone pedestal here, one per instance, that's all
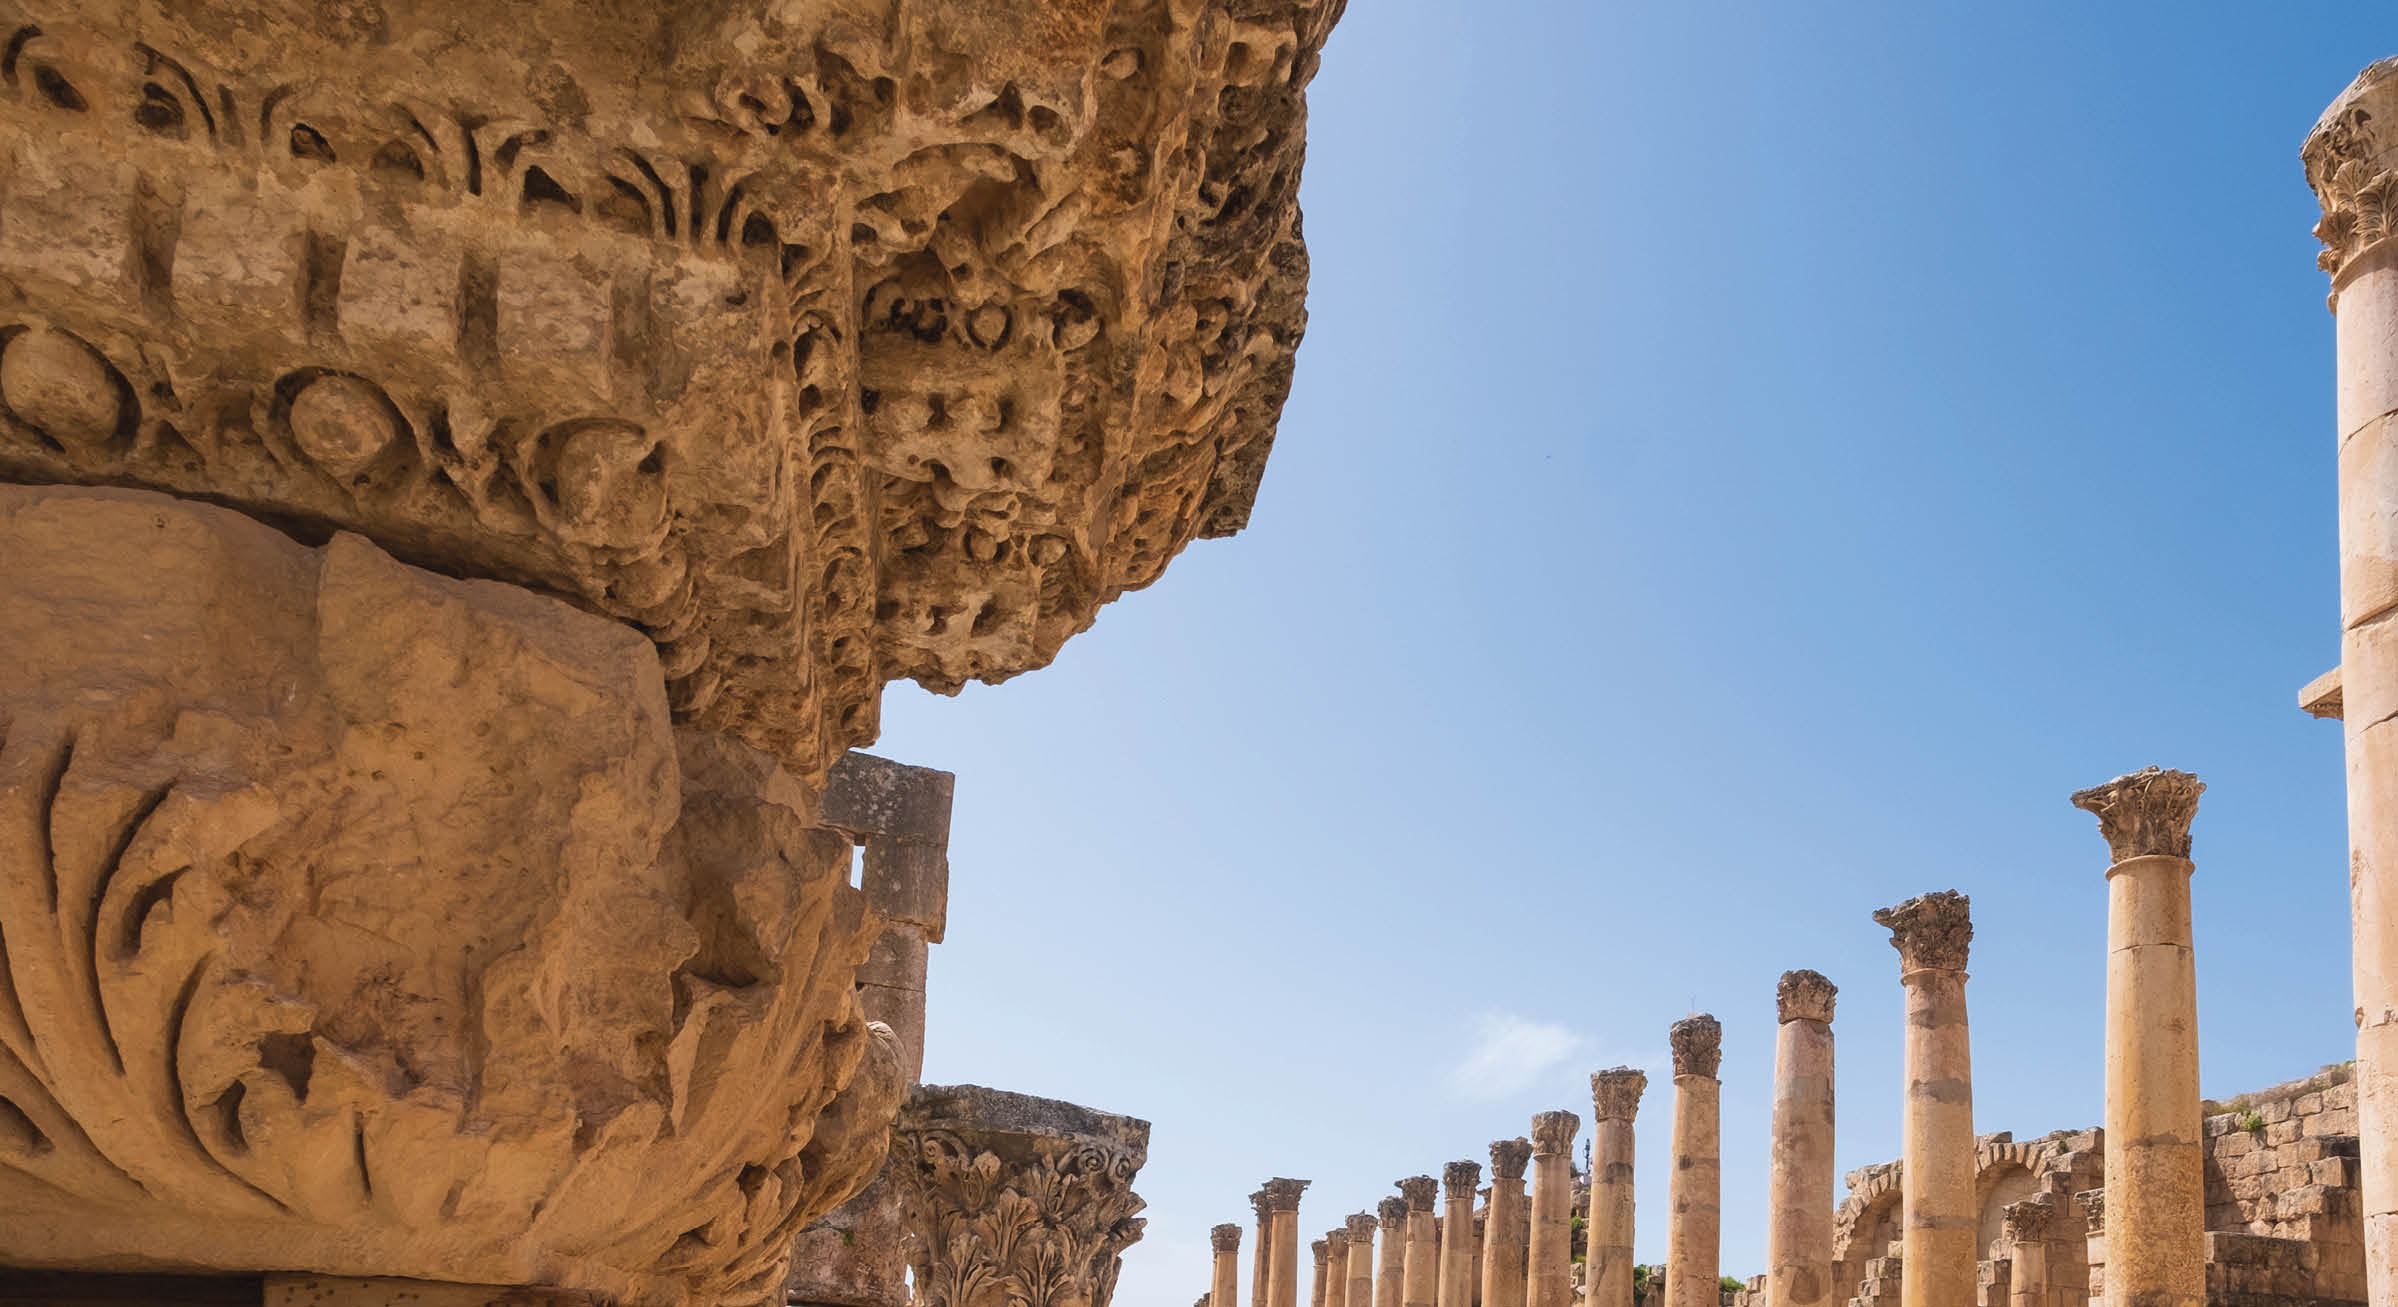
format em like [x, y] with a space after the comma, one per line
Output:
[1420, 1286]
[1361, 1260]
[1459, 1180]
[2351, 159]
[1800, 1174]
[2156, 1237]
[1549, 1264]
[1282, 1273]
[1939, 1241]
[1507, 1227]
[1694, 1236]
[1224, 1290]
[1015, 1198]
[1390, 1274]
[1614, 1102]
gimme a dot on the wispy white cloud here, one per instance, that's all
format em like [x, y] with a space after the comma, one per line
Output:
[1510, 1054]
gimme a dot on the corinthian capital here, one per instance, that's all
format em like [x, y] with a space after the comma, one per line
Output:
[1264, 1209]
[1393, 1211]
[1420, 1191]
[2145, 814]
[1698, 1044]
[1461, 1179]
[1336, 1240]
[1805, 996]
[1615, 1093]
[1226, 1238]
[1283, 1195]
[1361, 1227]
[2028, 1221]
[1323, 1252]
[1508, 1156]
[1930, 931]
[2350, 160]
[1553, 1132]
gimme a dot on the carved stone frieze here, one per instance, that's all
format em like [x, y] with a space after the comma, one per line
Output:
[826, 344]
[379, 923]
[2351, 160]
[1932, 932]
[1698, 1045]
[1016, 1201]
[1615, 1093]
[1804, 996]
[2145, 814]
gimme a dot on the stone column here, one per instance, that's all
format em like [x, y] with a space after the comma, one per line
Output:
[1282, 1272]
[1225, 1292]
[1503, 1247]
[1694, 1239]
[1420, 1284]
[1003, 1187]
[2028, 1225]
[1322, 1250]
[1798, 1230]
[1459, 1180]
[1361, 1260]
[1336, 1267]
[1938, 1243]
[2156, 1239]
[1390, 1274]
[1549, 1271]
[1261, 1258]
[1607, 1268]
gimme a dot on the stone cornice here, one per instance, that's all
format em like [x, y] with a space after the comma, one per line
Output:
[1553, 1132]
[1698, 1044]
[1805, 996]
[2146, 813]
[2351, 157]
[1508, 1157]
[1615, 1093]
[1932, 932]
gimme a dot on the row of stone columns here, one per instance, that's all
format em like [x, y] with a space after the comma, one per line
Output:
[2155, 1240]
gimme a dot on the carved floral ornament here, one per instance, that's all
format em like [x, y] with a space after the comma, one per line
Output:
[1698, 1045]
[1392, 1212]
[1461, 1179]
[1553, 1132]
[1805, 996]
[1508, 1157]
[1420, 1192]
[1932, 932]
[826, 347]
[2145, 814]
[1615, 1093]
[1225, 1238]
[1361, 1229]
[2351, 160]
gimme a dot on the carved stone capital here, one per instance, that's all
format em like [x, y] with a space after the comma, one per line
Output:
[2093, 1203]
[1225, 1238]
[1805, 996]
[1420, 1191]
[1461, 1179]
[1932, 932]
[1361, 1227]
[1337, 1240]
[1393, 1211]
[1508, 1158]
[1698, 1045]
[1553, 1132]
[1016, 1198]
[2029, 1221]
[1323, 1253]
[2145, 814]
[1615, 1093]
[2350, 159]
[1258, 1202]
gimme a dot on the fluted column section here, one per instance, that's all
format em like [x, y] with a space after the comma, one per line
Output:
[1507, 1231]
[1939, 1240]
[2156, 1236]
[1607, 1270]
[1225, 1291]
[1390, 1274]
[2352, 165]
[1694, 1236]
[1420, 1286]
[1459, 1180]
[1798, 1231]
[1361, 1260]
[1549, 1264]
[1282, 1276]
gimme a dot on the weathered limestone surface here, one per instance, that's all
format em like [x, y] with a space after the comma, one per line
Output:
[1361, 1260]
[2351, 160]
[1614, 1102]
[1694, 1234]
[1549, 1260]
[1015, 1199]
[1315, 1293]
[282, 825]
[2156, 1236]
[825, 344]
[1390, 1272]
[1261, 1260]
[1336, 1267]
[1506, 1240]
[1459, 1181]
[1224, 1290]
[1798, 1232]
[1420, 1276]
[1932, 934]
[1282, 1274]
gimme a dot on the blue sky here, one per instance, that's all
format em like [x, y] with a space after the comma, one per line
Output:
[1748, 464]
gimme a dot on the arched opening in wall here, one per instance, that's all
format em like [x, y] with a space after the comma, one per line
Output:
[1871, 1234]
[2007, 1182]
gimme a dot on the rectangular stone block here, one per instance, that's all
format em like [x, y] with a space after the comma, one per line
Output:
[873, 796]
[908, 882]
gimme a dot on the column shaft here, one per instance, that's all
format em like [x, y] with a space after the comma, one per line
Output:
[1390, 1274]
[1614, 1102]
[1798, 1232]
[1939, 1238]
[1336, 1268]
[1226, 1288]
[1459, 1179]
[1507, 1226]
[1549, 1267]
[2156, 1216]
[1421, 1285]
[1694, 1238]
[1361, 1261]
